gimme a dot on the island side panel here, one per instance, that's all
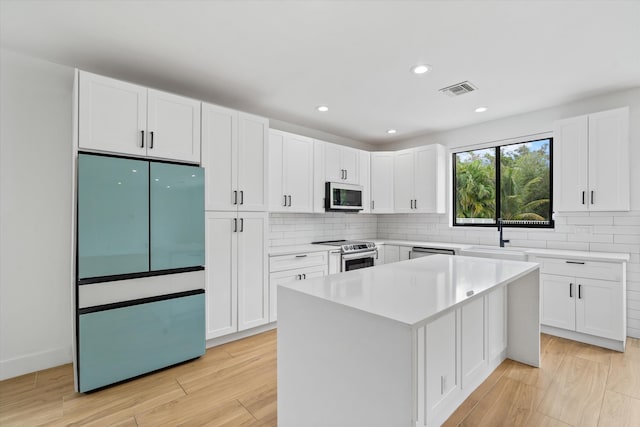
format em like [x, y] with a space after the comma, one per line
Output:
[338, 366]
[523, 314]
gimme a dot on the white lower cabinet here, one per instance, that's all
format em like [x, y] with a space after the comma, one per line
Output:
[442, 376]
[589, 306]
[285, 277]
[473, 336]
[391, 254]
[584, 300]
[236, 272]
[404, 253]
[380, 257]
[285, 269]
[456, 352]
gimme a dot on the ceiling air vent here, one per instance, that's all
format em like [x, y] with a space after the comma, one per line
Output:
[458, 89]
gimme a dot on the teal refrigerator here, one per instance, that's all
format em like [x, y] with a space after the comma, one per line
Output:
[140, 243]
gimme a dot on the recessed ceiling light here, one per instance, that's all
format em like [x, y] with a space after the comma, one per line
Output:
[481, 109]
[421, 69]
[391, 131]
[322, 108]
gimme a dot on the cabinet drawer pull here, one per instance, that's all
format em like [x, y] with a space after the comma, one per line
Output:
[575, 262]
[301, 256]
[579, 291]
[570, 290]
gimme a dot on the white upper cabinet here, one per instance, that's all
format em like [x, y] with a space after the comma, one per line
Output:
[382, 182]
[234, 158]
[253, 138]
[591, 162]
[112, 115]
[419, 179]
[173, 123]
[365, 180]
[120, 117]
[341, 164]
[290, 172]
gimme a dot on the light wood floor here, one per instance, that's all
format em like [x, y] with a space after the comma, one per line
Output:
[235, 385]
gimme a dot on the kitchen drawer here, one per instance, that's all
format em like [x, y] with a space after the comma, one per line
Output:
[301, 260]
[580, 268]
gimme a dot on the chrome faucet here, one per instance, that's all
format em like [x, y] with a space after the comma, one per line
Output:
[500, 227]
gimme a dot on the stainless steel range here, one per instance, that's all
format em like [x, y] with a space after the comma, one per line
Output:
[353, 254]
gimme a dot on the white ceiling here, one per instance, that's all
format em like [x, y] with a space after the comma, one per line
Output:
[281, 59]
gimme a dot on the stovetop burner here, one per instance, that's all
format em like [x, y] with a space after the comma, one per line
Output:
[349, 246]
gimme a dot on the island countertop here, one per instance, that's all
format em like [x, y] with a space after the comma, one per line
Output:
[417, 290]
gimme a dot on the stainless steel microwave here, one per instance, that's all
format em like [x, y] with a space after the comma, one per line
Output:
[342, 197]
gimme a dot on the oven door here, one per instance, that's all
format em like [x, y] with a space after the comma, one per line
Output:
[359, 260]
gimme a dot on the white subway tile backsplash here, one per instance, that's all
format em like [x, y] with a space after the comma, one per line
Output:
[614, 247]
[632, 239]
[590, 220]
[596, 238]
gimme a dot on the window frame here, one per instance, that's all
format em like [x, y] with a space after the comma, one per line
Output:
[497, 180]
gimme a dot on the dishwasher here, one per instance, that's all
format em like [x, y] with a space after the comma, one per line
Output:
[419, 252]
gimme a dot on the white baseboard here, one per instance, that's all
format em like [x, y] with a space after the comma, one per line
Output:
[34, 362]
[585, 338]
[239, 335]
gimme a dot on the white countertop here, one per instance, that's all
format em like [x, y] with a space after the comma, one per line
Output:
[416, 290]
[581, 255]
[296, 249]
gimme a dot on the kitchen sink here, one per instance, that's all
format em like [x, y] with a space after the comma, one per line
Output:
[515, 254]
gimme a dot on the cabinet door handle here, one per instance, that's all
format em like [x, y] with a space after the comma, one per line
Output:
[304, 276]
[579, 291]
[301, 256]
[289, 200]
[142, 139]
[241, 225]
[592, 196]
[583, 194]
[235, 197]
[235, 225]
[346, 174]
[373, 205]
[285, 200]
[570, 290]
[151, 142]
[298, 276]
[241, 197]
[575, 262]
[415, 203]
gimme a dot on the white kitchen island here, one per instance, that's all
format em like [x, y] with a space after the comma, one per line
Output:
[401, 344]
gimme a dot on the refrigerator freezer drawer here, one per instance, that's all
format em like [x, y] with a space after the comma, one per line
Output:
[126, 341]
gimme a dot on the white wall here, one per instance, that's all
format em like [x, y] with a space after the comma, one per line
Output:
[35, 212]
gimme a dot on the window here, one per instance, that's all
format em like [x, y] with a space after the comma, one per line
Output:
[512, 182]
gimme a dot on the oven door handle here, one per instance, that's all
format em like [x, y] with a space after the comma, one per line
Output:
[358, 255]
